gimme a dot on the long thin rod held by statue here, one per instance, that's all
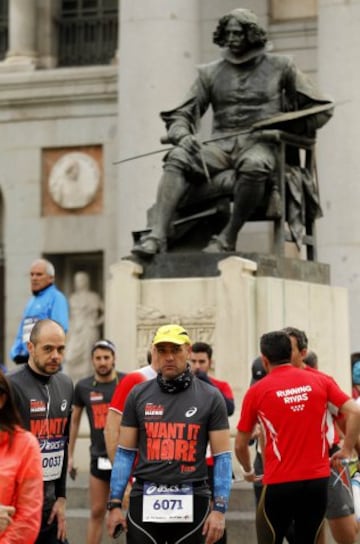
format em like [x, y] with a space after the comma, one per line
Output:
[203, 162]
[266, 123]
[166, 149]
[201, 149]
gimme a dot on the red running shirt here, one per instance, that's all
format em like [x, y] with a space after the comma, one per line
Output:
[291, 406]
[124, 387]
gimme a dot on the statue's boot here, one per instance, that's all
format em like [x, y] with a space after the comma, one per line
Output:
[248, 195]
[148, 246]
[172, 187]
[217, 244]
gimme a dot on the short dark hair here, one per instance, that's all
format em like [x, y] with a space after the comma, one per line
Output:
[276, 347]
[255, 35]
[311, 359]
[202, 347]
[301, 338]
[355, 357]
[257, 370]
[36, 330]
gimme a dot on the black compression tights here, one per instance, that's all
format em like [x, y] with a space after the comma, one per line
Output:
[302, 502]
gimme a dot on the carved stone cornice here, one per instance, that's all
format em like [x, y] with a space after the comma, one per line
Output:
[63, 87]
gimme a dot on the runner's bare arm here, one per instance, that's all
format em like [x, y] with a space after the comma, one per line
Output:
[219, 441]
[128, 437]
[112, 432]
[242, 452]
[352, 427]
[74, 431]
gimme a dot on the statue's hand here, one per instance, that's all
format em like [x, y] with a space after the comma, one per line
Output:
[190, 143]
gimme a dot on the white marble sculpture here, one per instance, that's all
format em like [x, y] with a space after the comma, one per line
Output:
[74, 180]
[86, 317]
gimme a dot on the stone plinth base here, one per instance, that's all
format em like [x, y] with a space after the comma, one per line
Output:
[195, 264]
[229, 308]
[19, 63]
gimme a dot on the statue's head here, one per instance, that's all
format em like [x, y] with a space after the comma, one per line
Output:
[81, 281]
[254, 34]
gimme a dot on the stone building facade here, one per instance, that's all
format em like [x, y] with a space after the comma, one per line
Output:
[67, 111]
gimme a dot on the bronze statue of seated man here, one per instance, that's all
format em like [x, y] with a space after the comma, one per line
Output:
[246, 86]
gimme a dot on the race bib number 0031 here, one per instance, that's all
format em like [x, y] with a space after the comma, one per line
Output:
[168, 503]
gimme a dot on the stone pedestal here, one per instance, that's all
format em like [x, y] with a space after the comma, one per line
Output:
[230, 309]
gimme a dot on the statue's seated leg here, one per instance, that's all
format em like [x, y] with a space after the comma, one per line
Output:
[255, 168]
[248, 194]
[183, 179]
[172, 187]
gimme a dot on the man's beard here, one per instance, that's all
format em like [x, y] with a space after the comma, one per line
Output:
[105, 372]
[42, 367]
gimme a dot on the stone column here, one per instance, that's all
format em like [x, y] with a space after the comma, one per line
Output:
[158, 52]
[22, 53]
[47, 45]
[337, 155]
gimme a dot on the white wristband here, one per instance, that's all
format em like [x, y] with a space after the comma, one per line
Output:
[250, 473]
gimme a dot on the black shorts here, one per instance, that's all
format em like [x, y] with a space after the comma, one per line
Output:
[140, 532]
[303, 503]
[103, 475]
[340, 498]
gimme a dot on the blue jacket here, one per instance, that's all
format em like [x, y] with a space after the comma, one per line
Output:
[48, 303]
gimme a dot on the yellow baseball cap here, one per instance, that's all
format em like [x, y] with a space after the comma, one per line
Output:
[175, 334]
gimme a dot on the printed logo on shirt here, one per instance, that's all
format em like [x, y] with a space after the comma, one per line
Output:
[297, 407]
[48, 427]
[154, 409]
[187, 468]
[171, 441]
[295, 395]
[164, 488]
[63, 405]
[96, 396]
[99, 412]
[191, 411]
[37, 406]
[45, 444]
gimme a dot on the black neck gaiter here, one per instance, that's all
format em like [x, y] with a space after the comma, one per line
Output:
[180, 383]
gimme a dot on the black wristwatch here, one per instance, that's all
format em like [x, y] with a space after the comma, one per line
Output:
[110, 505]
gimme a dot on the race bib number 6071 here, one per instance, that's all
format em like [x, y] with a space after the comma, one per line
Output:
[168, 503]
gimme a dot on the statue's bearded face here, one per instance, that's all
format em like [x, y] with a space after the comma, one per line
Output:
[235, 38]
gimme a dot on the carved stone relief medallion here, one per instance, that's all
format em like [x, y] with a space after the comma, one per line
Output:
[74, 180]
